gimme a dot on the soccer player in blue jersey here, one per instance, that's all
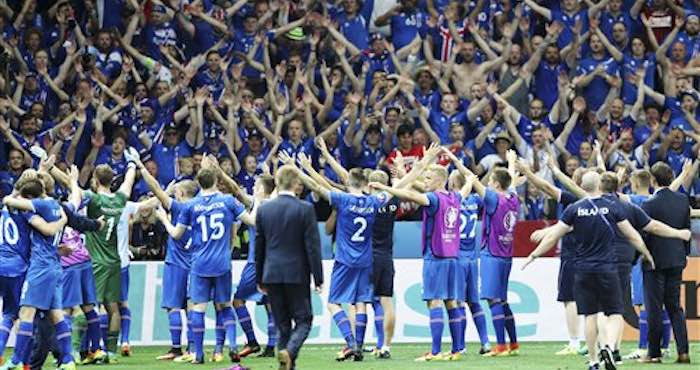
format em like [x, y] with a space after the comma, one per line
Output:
[211, 216]
[42, 289]
[470, 208]
[501, 207]
[178, 256]
[441, 275]
[352, 270]
[597, 285]
[14, 259]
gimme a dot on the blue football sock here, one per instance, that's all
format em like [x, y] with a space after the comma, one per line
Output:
[643, 330]
[63, 337]
[666, 333]
[455, 324]
[437, 325]
[498, 317]
[175, 321]
[480, 322]
[27, 356]
[104, 326]
[462, 327]
[510, 323]
[246, 323]
[85, 341]
[198, 334]
[220, 333]
[360, 328]
[92, 333]
[271, 330]
[24, 336]
[190, 335]
[341, 320]
[229, 321]
[125, 313]
[378, 323]
[5, 329]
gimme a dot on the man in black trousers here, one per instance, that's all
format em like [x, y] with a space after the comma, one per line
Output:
[287, 252]
[662, 286]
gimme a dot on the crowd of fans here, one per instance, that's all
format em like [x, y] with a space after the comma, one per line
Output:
[568, 85]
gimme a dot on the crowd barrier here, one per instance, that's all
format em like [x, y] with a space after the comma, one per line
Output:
[532, 296]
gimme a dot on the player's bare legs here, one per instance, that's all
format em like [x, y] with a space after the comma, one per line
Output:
[572, 324]
[591, 332]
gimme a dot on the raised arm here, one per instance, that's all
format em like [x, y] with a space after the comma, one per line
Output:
[405, 194]
[540, 183]
[566, 181]
[541, 10]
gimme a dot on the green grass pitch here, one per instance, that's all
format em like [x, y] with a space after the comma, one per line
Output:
[533, 356]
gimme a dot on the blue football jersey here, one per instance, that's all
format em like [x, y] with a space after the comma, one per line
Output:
[354, 225]
[211, 218]
[44, 249]
[469, 212]
[14, 242]
[179, 252]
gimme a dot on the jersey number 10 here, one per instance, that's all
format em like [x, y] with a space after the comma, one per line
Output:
[9, 233]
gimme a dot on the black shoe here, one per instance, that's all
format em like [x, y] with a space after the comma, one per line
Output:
[198, 361]
[234, 356]
[268, 352]
[358, 355]
[249, 349]
[384, 355]
[617, 357]
[484, 350]
[606, 356]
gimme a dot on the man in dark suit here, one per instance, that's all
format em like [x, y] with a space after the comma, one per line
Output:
[287, 252]
[662, 285]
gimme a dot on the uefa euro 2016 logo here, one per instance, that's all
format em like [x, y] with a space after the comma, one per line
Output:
[451, 217]
[509, 221]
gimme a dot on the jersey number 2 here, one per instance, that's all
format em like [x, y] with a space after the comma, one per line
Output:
[357, 236]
